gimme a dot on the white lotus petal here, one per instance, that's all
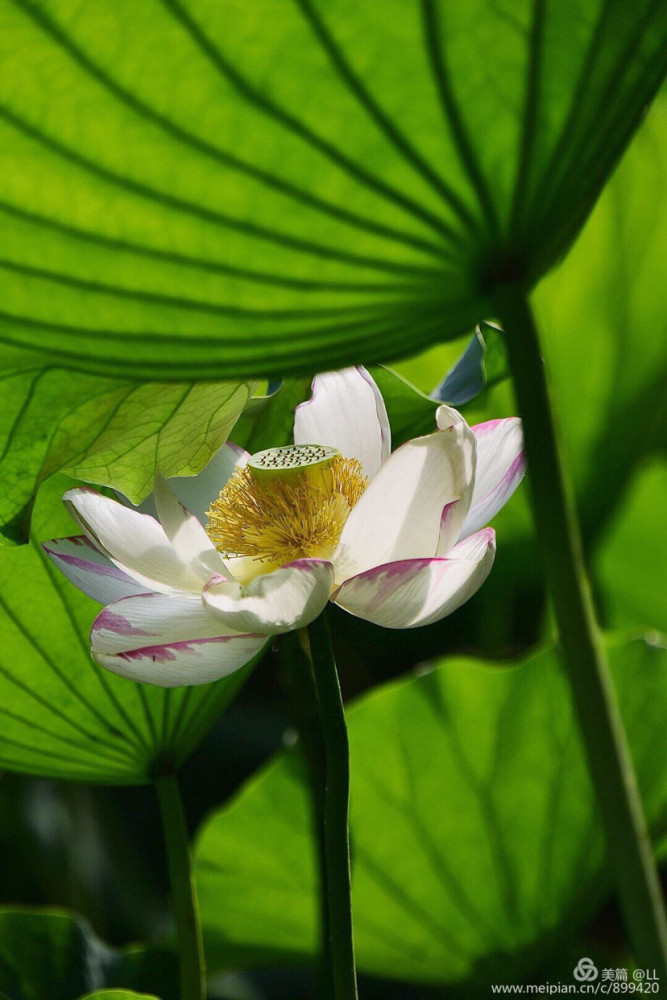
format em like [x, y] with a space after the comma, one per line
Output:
[186, 533]
[446, 416]
[500, 468]
[197, 492]
[400, 516]
[286, 599]
[416, 592]
[243, 569]
[135, 542]
[89, 570]
[346, 411]
[168, 640]
[450, 528]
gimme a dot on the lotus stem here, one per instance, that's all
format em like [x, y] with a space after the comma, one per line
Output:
[183, 891]
[596, 707]
[334, 812]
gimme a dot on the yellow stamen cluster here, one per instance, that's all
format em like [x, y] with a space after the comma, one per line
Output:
[279, 521]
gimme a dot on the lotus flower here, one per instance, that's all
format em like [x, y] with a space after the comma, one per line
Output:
[257, 545]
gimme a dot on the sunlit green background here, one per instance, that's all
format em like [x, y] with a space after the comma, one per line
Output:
[477, 850]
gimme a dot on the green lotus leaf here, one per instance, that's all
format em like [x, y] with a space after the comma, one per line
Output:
[104, 431]
[476, 844]
[206, 189]
[62, 715]
[51, 954]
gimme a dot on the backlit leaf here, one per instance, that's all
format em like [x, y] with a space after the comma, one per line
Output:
[54, 955]
[62, 715]
[603, 319]
[475, 840]
[630, 565]
[319, 182]
[117, 995]
[104, 431]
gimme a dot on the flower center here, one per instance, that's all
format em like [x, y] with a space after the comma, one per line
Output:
[286, 504]
[288, 464]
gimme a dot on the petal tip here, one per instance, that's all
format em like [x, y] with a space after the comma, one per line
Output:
[307, 563]
[213, 581]
[486, 537]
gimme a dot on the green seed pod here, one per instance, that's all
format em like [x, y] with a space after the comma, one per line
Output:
[290, 463]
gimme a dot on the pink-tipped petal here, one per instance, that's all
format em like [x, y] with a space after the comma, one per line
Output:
[89, 570]
[449, 528]
[400, 516]
[285, 599]
[169, 641]
[155, 618]
[500, 468]
[415, 592]
[346, 411]
[134, 542]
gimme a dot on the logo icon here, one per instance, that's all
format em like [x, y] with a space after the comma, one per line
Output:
[585, 971]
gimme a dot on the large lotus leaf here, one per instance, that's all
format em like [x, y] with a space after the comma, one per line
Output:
[631, 564]
[604, 333]
[603, 319]
[117, 995]
[54, 955]
[105, 432]
[194, 189]
[62, 715]
[476, 844]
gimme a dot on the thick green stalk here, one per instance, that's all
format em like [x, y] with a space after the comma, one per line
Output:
[337, 885]
[183, 891]
[305, 712]
[609, 760]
